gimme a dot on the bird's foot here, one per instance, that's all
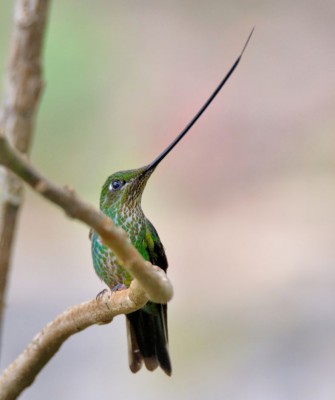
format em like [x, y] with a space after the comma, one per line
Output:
[99, 298]
[120, 286]
[100, 294]
[116, 288]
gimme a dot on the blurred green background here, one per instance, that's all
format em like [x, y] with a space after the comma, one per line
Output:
[244, 205]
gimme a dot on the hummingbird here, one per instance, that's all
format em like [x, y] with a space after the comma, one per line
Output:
[120, 200]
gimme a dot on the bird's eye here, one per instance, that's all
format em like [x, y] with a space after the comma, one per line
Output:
[116, 185]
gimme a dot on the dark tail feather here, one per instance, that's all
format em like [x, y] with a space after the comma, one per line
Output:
[148, 339]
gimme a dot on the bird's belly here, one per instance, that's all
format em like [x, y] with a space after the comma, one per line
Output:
[106, 265]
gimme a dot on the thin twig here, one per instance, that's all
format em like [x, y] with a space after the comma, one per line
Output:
[23, 86]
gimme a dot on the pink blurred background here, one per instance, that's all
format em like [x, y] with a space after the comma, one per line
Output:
[244, 205]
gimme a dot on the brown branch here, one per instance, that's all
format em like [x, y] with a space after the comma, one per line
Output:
[149, 283]
[23, 85]
[159, 290]
[22, 372]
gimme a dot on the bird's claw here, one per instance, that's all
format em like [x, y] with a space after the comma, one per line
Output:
[100, 294]
[120, 286]
[116, 288]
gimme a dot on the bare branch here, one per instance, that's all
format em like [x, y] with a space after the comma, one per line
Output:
[158, 289]
[22, 372]
[150, 283]
[23, 86]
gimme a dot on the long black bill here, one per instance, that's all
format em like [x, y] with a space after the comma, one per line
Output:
[200, 112]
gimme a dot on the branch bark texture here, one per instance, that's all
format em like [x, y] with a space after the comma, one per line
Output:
[23, 86]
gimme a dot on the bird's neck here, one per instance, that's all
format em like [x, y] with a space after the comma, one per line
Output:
[126, 215]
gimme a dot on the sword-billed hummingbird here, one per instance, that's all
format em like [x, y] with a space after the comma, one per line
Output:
[120, 200]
